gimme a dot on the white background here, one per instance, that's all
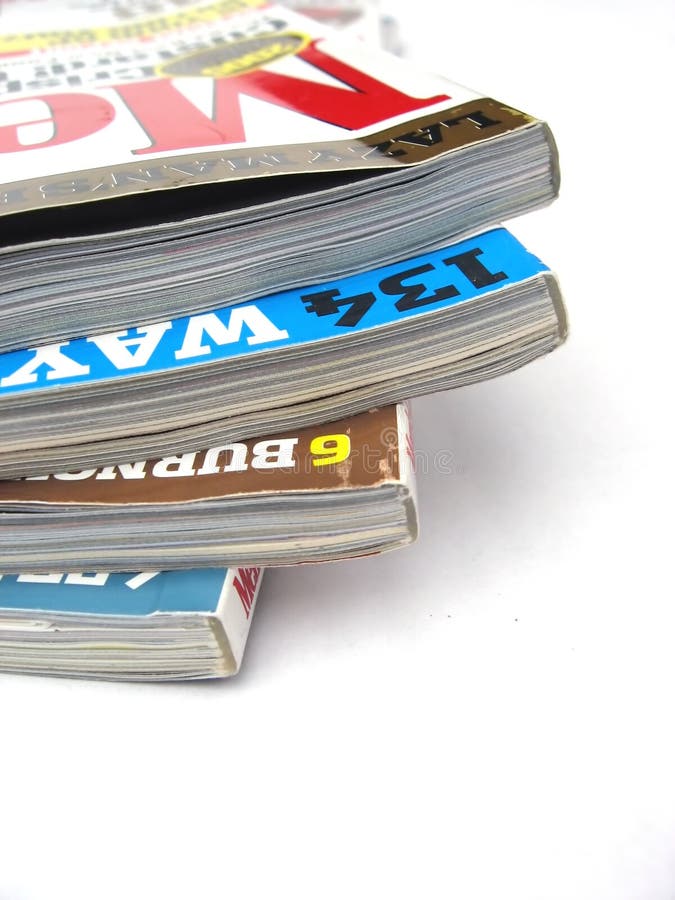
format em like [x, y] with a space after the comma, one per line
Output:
[490, 713]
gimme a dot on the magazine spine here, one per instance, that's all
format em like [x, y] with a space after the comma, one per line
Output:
[406, 465]
[231, 622]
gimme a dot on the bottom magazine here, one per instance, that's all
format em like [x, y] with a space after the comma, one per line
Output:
[145, 626]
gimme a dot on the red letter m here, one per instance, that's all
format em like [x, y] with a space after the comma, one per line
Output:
[245, 582]
[173, 123]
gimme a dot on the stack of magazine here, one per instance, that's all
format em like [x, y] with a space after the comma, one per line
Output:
[236, 243]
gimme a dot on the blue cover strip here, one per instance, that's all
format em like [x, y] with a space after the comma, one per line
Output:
[119, 594]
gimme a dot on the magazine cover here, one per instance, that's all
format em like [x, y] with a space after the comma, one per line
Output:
[253, 90]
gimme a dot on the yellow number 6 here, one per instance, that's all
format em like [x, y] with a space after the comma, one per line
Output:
[330, 448]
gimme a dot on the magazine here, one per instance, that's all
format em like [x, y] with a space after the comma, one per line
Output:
[323, 493]
[159, 165]
[145, 626]
[451, 317]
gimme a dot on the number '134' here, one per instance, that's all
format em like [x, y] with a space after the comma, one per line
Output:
[411, 296]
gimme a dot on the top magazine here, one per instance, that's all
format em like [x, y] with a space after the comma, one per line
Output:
[155, 164]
